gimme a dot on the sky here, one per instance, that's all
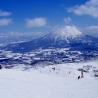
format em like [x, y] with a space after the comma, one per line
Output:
[25, 16]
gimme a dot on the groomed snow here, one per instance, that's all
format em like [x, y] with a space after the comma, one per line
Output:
[48, 83]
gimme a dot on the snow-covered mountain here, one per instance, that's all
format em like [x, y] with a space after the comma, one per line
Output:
[67, 36]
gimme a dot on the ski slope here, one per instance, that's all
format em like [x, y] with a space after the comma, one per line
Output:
[44, 82]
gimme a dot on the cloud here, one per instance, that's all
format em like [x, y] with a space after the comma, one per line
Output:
[67, 20]
[90, 7]
[5, 21]
[92, 29]
[4, 13]
[67, 31]
[36, 22]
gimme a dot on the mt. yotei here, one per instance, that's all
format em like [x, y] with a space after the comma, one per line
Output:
[64, 37]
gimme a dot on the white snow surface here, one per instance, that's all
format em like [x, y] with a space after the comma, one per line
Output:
[44, 82]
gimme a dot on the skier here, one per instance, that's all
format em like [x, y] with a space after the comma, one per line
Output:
[82, 76]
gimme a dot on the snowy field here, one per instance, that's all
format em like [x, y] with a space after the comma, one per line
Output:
[45, 82]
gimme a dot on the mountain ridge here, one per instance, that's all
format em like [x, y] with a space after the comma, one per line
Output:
[68, 36]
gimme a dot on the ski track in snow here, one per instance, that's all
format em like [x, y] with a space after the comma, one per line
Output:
[46, 83]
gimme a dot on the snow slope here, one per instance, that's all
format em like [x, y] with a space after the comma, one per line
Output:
[48, 83]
